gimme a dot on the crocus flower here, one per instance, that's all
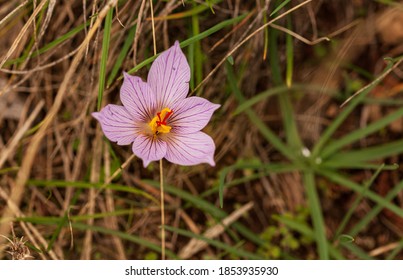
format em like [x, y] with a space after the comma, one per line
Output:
[157, 118]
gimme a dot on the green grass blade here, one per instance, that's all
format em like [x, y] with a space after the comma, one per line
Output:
[356, 202]
[32, 41]
[104, 56]
[357, 165]
[122, 55]
[50, 45]
[316, 215]
[266, 168]
[361, 133]
[361, 254]
[274, 59]
[395, 251]
[362, 223]
[272, 92]
[289, 55]
[279, 7]
[86, 185]
[79, 218]
[198, 58]
[129, 237]
[191, 59]
[327, 134]
[264, 130]
[228, 248]
[9, 170]
[286, 109]
[339, 179]
[194, 11]
[368, 154]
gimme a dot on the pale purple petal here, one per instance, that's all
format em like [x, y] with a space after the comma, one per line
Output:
[138, 98]
[169, 77]
[149, 148]
[117, 124]
[191, 149]
[191, 114]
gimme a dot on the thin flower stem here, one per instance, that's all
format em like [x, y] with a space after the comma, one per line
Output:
[162, 212]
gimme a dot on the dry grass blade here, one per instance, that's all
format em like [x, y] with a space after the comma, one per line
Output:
[381, 77]
[13, 12]
[22, 32]
[24, 172]
[27, 227]
[196, 245]
[383, 249]
[11, 146]
[299, 37]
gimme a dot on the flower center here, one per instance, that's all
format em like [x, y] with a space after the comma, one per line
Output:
[159, 123]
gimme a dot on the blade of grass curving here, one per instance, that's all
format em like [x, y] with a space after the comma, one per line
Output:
[357, 165]
[316, 215]
[28, 49]
[340, 179]
[46, 220]
[286, 109]
[274, 59]
[129, 237]
[194, 11]
[279, 7]
[289, 47]
[122, 55]
[9, 169]
[228, 248]
[357, 251]
[86, 185]
[356, 202]
[264, 130]
[395, 102]
[274, 91]
[191, 59]
[308, 232]
[343, 115]
[266, 37]
[363, 222]
[368, 154]
[191, 40]
[198, 59]
[210, 209]
[104, 56]
[267, 168]
[360, 133]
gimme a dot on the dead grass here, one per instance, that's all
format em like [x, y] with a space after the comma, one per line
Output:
[47, 132]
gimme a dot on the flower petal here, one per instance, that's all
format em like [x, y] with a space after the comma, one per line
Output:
[190, 149]
[169, 77]
[117, 124]
[149, 148]
[191, 114]
[138, 98]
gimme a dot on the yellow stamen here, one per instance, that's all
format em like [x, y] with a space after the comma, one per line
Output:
[159, 123]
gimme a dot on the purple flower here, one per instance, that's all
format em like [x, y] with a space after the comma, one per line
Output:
[157, 117]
